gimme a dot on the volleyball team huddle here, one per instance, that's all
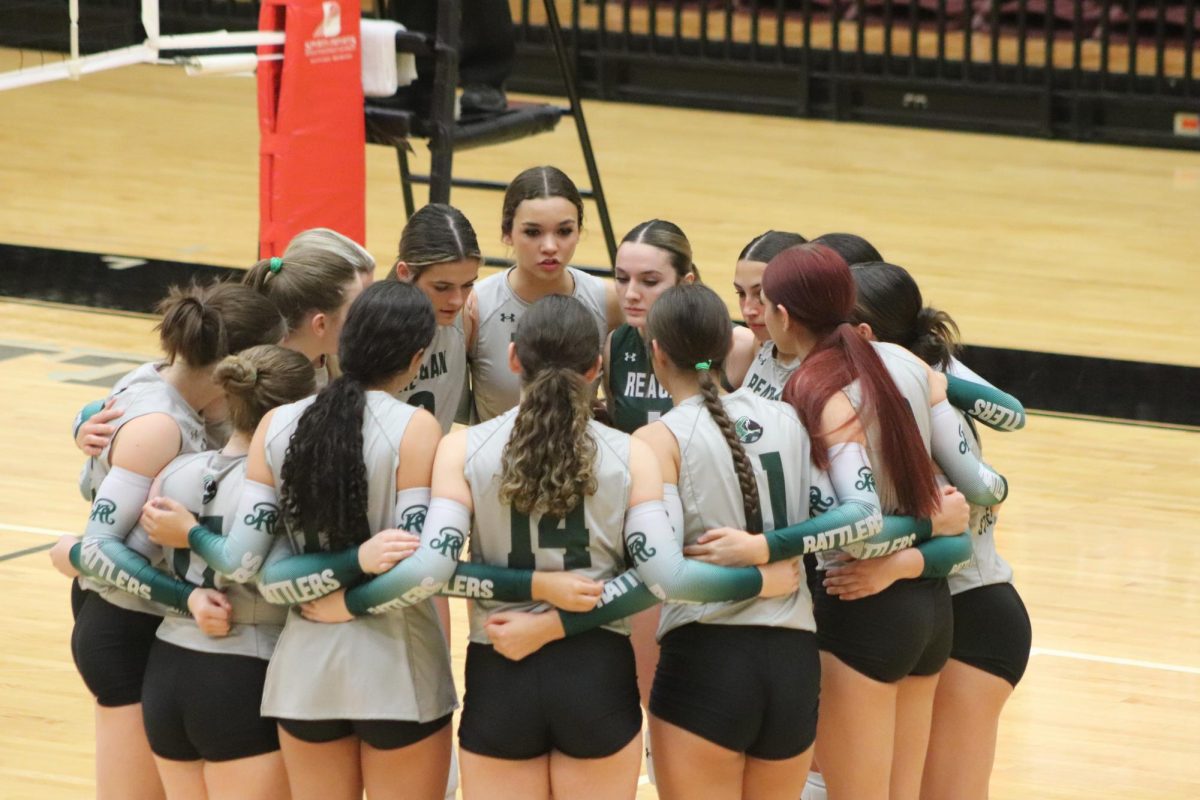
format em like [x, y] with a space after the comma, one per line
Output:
[796, 510]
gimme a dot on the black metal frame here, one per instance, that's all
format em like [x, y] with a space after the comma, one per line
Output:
[979, 91]
[441, 133]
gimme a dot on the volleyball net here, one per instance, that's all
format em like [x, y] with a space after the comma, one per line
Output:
[306, 56]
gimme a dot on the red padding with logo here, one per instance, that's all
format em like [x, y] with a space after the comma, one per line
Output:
[312, 163]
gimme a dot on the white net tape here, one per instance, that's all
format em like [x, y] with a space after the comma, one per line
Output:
[148, 52]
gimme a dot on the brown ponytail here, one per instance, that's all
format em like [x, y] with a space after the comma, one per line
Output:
[889, 300]
[548, 463]
[203, 324]
[261, 378]
[691, 325]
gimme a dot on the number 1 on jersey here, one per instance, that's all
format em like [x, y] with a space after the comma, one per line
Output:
[570, 535]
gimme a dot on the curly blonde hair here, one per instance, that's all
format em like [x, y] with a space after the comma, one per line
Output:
[548, 464]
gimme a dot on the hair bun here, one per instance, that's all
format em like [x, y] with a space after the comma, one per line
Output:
[236, 374]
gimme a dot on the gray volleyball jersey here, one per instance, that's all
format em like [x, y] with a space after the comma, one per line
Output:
[590, 541]
[986, 567]
[139, 393]
[497, 388]
[911, 377]
[442, 381]
[394, 665]
[209, 485]
[780, 452]
[767, 376]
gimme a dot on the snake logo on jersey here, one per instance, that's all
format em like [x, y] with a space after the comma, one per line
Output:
[412, 519]
[449, 543]
[817, 502]
[263, 517]
[638, 548]
[103, 511]
[866, 479]
[210, 490]
[748, 431]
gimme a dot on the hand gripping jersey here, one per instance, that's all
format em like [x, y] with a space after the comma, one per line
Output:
[589, 541]
[780, 452]
[767, 376]
[209, 484]
[635, 395]
[986, 567]
[440, 385]
[496, 388]
[394, 665]
[141, 392]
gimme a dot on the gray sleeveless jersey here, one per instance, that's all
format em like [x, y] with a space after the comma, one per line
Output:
[780, 452]
[911, 378]
[392, 666]
[986, 567]
[767, 376]
[589, 541]
[209, 485]
[141, 392]
[442, 381]
[496, 388]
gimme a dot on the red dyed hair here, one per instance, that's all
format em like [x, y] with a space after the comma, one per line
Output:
[814, 285]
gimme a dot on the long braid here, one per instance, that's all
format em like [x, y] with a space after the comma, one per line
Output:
[741, 462]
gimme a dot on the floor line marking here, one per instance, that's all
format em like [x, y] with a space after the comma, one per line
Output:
[26, 552]
[38, 531]
[1123, 662]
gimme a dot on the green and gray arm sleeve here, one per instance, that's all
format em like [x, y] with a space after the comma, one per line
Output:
[482, 581]
[626, 594]
[896, 533]
[978, 482]
[239, 556]
[660, 562]
[857, 516]
[423, 573]
[981, 401]
[945, 555]
[623, 596]
[103, 553]
[303, 577]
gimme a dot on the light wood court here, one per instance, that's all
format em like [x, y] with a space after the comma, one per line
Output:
[1029, 244]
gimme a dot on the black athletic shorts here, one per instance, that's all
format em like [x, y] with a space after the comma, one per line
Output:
[748, 688]
[992, 631]
[205, 705]
[78, 595]
[110, 646]
[382, 734]
[906, 629]
[578, 696]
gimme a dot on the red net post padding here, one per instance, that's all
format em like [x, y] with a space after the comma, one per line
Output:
[312, 162]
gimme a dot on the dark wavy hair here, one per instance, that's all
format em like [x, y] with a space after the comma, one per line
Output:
[324, 477]
[889, 300]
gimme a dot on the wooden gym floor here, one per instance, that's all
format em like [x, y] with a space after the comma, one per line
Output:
[1030, 244]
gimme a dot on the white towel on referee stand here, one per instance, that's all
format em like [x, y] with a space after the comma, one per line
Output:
[383, 70]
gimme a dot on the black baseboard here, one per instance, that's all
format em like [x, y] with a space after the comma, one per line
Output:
[1055, 382]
